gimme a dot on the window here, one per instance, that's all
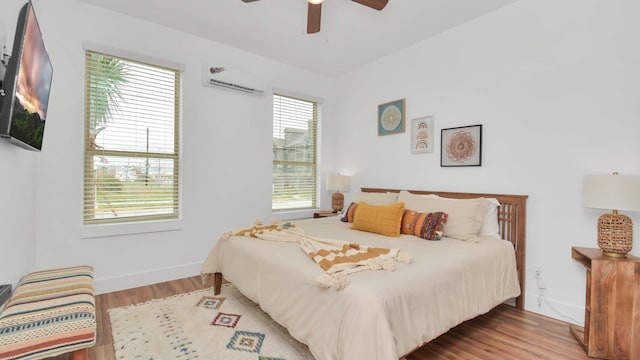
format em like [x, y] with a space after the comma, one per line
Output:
[131, 141]
[295, 148]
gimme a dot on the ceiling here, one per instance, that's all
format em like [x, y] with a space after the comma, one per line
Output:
[351, 34]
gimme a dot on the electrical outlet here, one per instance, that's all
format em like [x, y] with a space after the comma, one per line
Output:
[539, 277]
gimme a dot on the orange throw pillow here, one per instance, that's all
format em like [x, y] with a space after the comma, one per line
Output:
[425, 225]
[379, 219]
[350, 213]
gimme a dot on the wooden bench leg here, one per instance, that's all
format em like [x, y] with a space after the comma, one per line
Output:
[217, 283]
[82, 354]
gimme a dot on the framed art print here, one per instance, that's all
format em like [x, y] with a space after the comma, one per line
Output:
[391, 117]
[461, 146]
[422, 134]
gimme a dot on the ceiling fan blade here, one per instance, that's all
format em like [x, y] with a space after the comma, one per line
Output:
[374, 4]
[248, 1]
[313, 18]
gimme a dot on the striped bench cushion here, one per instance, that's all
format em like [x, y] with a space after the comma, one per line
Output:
[51, 312]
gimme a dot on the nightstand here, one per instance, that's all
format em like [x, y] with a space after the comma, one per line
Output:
[612, 312]
[324, 213]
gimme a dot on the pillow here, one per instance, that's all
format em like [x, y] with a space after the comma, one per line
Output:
[427, 226]
[375, 198]
[490, 226]
[388, 198]
[379, 219]
[349, 213]
[464, 217]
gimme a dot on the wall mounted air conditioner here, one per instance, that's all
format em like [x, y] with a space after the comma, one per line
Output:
[224, 77]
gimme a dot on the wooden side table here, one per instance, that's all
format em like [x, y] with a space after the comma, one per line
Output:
[612, 309]
[324, 213]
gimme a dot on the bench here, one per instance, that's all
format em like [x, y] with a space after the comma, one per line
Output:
[51, 312]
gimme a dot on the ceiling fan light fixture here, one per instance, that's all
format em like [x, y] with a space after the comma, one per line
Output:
[315, 2]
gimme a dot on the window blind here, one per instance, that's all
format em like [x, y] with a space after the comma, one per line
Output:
[131, 152]
[295, 147]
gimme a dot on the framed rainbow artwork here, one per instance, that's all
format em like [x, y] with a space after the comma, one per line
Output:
[422, 135]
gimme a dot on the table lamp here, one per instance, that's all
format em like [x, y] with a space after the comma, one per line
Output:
[338, 183]
[614, 192]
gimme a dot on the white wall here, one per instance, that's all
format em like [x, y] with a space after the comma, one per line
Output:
[555, 85]
[226, 152]
[17, 179]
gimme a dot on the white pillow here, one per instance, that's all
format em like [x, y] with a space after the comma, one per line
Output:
[372, 198]
[490, 226]
[464, 217]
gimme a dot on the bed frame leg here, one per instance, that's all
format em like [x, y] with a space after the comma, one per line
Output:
[217, 283]
[82, 354]
[520, 302]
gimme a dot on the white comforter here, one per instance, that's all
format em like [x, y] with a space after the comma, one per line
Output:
[381, 314]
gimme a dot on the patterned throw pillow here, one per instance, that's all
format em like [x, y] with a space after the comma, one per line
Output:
[425, 225]
[379, 219]
[464, 218]
[350, 213]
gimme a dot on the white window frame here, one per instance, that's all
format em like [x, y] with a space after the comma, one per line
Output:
[146, 226]
[294, 213]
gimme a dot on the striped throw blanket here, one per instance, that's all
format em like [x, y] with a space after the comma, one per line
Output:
[337, 258]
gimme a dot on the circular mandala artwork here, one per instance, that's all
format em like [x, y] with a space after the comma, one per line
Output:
[461, 147]
[390, 118]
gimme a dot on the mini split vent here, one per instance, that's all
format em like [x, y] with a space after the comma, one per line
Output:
[223, 77]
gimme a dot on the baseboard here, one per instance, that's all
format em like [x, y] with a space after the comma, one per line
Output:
[554, 309]
[154, 276]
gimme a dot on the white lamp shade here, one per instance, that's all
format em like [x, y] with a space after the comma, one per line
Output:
[614, 192]
[338, 183]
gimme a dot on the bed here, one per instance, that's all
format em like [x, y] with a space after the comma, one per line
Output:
[381, 314]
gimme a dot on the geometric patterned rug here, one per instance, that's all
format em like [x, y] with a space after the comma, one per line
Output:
[199, 325]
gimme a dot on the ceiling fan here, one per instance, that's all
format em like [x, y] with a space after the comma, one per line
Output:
[315, 10]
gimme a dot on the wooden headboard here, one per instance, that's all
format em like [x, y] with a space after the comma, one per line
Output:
[511, 218]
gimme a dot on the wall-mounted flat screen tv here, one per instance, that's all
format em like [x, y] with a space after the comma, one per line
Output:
[26, 86]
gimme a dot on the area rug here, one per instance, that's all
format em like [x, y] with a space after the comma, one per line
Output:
[199, 325]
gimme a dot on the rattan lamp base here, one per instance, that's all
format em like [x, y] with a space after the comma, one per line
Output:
[615, 234]
[337, 201]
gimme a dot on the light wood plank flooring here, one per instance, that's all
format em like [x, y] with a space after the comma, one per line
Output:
[503, 333]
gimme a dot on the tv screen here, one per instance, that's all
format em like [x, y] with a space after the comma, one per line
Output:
[27, 84]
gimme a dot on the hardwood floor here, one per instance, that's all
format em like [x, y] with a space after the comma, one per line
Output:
[503, 333]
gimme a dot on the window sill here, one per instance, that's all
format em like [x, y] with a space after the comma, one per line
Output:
[106, 230]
